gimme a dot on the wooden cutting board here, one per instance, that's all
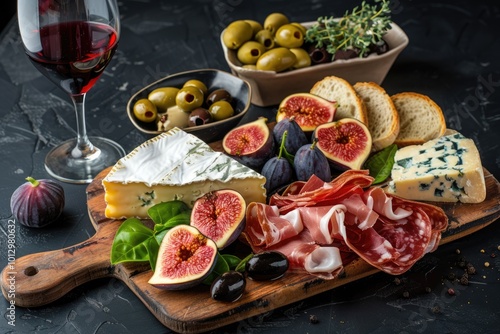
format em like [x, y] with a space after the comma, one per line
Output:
[44, 277]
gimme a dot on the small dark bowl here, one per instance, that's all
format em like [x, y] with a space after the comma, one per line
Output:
[214, 79]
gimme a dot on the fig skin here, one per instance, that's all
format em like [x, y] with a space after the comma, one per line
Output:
[220, 215]
[310, 160]
[296, 136]
[174, 255]
[278, 172]
[308, 110]
[252, 144]
[346, 143]
[37, 203]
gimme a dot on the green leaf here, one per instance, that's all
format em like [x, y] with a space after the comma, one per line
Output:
[161, 213]
[380, 164]
[131, 242]
[220, 268]
[153, 250]
[241, 266]
[231, 260]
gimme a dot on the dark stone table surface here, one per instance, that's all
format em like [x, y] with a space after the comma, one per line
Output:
[453, 56]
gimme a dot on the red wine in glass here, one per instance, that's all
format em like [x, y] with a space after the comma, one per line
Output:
[71, 42]
[75, 64]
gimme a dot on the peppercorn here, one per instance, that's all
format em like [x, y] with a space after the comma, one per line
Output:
[451, 292]
[313, 319]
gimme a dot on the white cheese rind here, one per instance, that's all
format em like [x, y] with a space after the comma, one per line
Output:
[174, 165]
[446, 169]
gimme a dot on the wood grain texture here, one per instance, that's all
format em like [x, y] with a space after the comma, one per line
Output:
[44, 277]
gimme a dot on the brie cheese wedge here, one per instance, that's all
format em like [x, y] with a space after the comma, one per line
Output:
[174, 165]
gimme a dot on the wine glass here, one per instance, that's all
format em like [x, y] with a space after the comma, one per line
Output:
[71, 42]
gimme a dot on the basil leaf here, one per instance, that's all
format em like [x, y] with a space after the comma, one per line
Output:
[231, 260]
[220, 268]
[131, 242]
[153, 249]
[380, 164]
[182, 218]
[162, 212]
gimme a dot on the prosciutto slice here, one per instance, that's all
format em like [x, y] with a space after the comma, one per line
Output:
[314, 222]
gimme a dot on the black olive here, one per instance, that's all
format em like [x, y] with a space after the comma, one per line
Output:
[218, 95]
[266, 266]
[228, 287]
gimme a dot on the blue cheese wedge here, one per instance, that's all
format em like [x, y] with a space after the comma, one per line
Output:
[174, 165]
[446, 169]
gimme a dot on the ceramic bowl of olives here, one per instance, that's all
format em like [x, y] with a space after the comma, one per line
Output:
[271, 83]
[206, 103]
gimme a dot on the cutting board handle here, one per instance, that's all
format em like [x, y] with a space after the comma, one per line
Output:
[38, 279]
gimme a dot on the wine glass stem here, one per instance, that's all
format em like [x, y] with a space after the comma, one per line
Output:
[84, 148]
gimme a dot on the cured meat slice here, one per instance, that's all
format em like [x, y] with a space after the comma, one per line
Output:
[316, 192]
[403, 233]
[266, 227]
[322, 222]
[305, 255]
[315, 223]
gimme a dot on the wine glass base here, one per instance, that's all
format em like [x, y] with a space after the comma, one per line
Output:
[61, 164]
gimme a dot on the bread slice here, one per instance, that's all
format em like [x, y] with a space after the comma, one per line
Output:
[420, 119]
[383, 118]
[349, 104]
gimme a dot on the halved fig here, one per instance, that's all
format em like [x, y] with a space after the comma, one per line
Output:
[186, 257]
[220, 215]
[346, 143]
[308, 110]
[252, 143]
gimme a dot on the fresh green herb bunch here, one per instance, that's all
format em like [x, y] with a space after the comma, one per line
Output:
[359, 29]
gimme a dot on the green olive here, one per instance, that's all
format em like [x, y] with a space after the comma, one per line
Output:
[303, 58]
[289, 36]
[301, 27]
[189, 98]
[277, 59]
[198, 84]
[249, 52]
[145, 110]
[275, 20]
[163, 98]
[266, 38]
[237, 33]
[256, 26]
[221, 110]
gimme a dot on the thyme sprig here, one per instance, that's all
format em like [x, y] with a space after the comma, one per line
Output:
[359, 29]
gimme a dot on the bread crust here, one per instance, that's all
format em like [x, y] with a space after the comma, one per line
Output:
[349, 103]
[421, 119]
[383, 118]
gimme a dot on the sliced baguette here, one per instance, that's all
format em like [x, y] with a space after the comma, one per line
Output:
[383, 118]
[349, 104]
[420, 119]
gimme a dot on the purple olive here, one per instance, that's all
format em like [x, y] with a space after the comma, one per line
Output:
[199, 116]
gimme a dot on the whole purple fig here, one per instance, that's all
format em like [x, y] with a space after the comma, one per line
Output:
[296, 136]
[310, 160]
[37, 203]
